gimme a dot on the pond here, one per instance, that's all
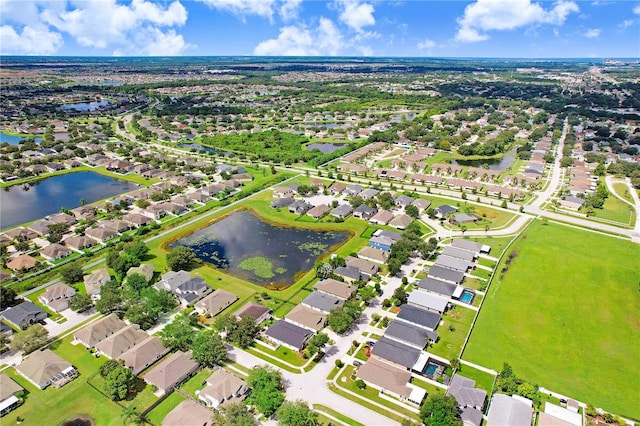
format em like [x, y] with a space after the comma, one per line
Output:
[325, 148]
[24, 203]
[260, 252]
[85, 106]
[497, 164]
[15, 139]
[199, 147]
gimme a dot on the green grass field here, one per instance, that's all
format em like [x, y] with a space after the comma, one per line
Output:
[565, 316]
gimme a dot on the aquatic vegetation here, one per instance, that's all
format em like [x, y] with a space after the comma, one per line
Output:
[260, 266]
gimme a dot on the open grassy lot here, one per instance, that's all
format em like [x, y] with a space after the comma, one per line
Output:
[616, 210]
[622, 190]
[565, 316]
[453, 330]
[483, 380]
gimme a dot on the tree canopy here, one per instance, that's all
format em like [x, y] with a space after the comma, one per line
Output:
[267, 390]
[440, 410]
[182, 258]
[208, 348]
[296, 413]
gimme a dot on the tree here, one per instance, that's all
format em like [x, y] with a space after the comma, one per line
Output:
[119, 382]
[80, 302]
[296, 413]
[142, 314]
[8, 297]
[71, 273]
[208, 348]
[179, 334]
[341, 318]
[137, 282]
[367, 293]
[30, 339]
[182, 258]
[137, 249]
[244, 332]
[317, 342]
[412, 211]
[400, 296]
[56, 232]
[130, 414]
[267, 390]
[225, 323]
[440, 410]
[234, 414]
[110, 298]
[108, 367]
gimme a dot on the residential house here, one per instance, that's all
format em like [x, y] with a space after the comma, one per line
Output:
[41, 227]
[419, 317]
[120, 341]
[462, 218]
[395, 352]
[470, 246]
[437, 286]
[352, 189]
[410, 334]
[446, 274]
[444, 210]
[119, 226]
[369, 193]
[22, 262]
[403, 201]
[367, 269]
[465, 255]
[335, 288]
[215, 302]
[342, 211]
[57, 296]
[299, 207]
[94, 282]
[571, 203]
[319, 211]
[429, 301]
[421, 204]
[137, 220]
[188, 289]
[80, 242]
[283, 192]
[508, 410]
[171, 372]
[348, 273]
[23, 315]
[465, 392]
[189, 412]
[337, 188]
[44, 368]
[454, 263]
[364, 212]
[322, 302]
[144, 354]
[8, 391]
[281, 202]
[95, 332]
[146, 270]
[101, 235]
[401, 221]
[391, 380]
[55, 251]
[288, 335]
[67, 219]
[306, 317]
[258, 312]
[374, 255]
[222, 387]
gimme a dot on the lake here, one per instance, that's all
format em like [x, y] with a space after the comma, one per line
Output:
[199, 147]
[25, 203]
[14, 139]
[497, 164]
[259, 252]
[85, 106]
[325, 148]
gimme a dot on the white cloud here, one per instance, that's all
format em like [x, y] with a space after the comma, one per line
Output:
[152, 41]
[636, 10]
[31, 41]
[592, 33]
[491, 15]
[427, 44]
[243, 8]
[300, 40]
[626, 23]
[289, 9]
[354, 14]
[101, 23]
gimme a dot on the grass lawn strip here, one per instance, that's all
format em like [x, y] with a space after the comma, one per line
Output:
[159, 412]
[454, 329]
[483, 380]
[565, 318]
[338, 416]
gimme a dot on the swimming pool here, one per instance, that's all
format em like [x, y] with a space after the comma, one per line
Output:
[430, 370]
[467, 296]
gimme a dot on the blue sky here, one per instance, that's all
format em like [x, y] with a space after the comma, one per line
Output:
[438, 28]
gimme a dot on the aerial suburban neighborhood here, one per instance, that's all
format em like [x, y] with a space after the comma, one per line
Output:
[211, 242]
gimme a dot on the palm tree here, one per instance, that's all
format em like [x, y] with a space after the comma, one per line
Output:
[130, 415]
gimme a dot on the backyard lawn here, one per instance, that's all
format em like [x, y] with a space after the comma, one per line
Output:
[565, 316]
[453, 330]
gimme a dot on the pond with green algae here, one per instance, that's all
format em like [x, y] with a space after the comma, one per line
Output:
[249, 248]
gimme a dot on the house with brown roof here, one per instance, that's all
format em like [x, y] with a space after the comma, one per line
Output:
[8, 391]
[335, 288]
[101, 235]
[80, 242]
[94, 282]
[171, 372]
[44, 368]
[144, 354]
[223, 386]
[95, 332]
[22, 262]
[121, 341]
[383, 217]
[55, 251]
[215, 302]
[57, 296]
[366, 268]
[391, 380]
[306, 317]
[146, 270]
[374, 255]
[189, 412]
[319, 211]
[137, 220]
[254, 310]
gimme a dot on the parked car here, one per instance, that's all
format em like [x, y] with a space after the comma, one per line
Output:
[357, 363]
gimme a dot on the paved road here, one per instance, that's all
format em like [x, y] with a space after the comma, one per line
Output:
[556, 172]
